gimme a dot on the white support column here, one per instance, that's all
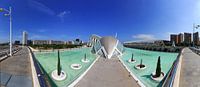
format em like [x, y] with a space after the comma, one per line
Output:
[10, 14]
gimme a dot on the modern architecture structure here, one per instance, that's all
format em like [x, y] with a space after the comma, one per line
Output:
[196, 38]
[77, 42]
[180, 38]
[25, 38]
[174, 37]
[106, 46]
[187, 38]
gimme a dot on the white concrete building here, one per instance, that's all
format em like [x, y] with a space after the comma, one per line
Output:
[106, 46]
[40, 42]
[25, 38]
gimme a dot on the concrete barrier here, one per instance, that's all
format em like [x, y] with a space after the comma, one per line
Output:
[178, 71]
[34, 73]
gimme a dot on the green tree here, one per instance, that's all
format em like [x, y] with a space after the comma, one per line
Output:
[158, 68]
[141, 63]
[59, 68]
[132, 57]
[85, 57]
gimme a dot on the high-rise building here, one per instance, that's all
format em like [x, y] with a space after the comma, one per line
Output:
[174, 38]
[180, 38]
[196, 38]
[25, 38]
[187, 38]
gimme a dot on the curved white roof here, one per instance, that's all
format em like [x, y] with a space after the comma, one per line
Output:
[109, 43]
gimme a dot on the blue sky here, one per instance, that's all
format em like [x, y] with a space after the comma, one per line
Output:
[70, 19]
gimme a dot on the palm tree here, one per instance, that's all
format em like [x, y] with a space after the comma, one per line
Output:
[158, 68]
[59, 68]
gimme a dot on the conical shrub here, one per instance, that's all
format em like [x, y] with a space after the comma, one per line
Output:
[158, 68]
[59, 65]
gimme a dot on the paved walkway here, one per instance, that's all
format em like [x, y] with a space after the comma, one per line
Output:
[190, 69]
[15, 71]
[107, 73]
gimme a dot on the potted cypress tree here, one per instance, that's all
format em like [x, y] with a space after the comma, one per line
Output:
[132, 60]
[158, 68]
[158, 75]
[140, 66]
[85, 60]
[59, 68]
[58, 74]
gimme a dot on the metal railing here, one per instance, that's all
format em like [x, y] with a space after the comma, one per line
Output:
[5, 53]
[195, 50]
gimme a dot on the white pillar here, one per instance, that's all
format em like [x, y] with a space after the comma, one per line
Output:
[10, 14]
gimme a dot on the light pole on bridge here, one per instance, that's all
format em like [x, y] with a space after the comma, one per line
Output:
[9, 13]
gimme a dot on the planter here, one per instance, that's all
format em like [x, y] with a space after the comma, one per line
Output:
[76, 66]
[131, 61]
[157, 79]
[57, 77]
[138, 67]
[85, 61]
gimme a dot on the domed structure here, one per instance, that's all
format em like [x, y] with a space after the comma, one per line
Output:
[106, 46]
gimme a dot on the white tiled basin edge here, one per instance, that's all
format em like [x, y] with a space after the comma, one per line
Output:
[82, 75]
[34, 74]
[137, 80]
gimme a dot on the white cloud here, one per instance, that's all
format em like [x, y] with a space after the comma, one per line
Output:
[42, 30]
[61, 15]
[144, 37]
[36, 36]
[41, 7]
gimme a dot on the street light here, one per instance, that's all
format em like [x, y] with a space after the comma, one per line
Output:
[194, 27]
[9, 13]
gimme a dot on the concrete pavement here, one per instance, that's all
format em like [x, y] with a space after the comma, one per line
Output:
[190, 69]
[107, 73]
[16, 70]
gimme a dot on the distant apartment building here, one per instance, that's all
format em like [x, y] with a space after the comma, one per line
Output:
[56, 42]
[174, 38]
[40, 42]
[196, 38]
[187, 38]
[25, 38]
[180, 38]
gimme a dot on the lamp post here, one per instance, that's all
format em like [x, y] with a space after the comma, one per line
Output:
[194, 27]
[9, 13]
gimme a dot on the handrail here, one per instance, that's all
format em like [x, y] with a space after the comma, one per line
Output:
[195, 50]
[169, 79]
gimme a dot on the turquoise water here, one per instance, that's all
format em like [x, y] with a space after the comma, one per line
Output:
[150, 60]
[48, 62]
